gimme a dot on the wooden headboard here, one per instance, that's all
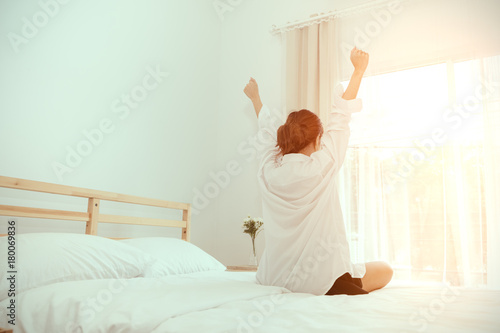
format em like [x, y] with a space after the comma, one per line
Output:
[92, 216]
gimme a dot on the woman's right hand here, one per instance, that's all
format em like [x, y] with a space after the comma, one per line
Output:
[359, 59]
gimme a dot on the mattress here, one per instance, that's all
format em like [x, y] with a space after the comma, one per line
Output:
[221, 301]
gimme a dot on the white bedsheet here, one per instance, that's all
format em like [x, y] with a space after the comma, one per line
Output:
[233, 302]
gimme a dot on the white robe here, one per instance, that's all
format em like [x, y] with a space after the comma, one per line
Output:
[306, 243]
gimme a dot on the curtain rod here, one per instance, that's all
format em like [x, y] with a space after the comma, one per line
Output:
[323, 17]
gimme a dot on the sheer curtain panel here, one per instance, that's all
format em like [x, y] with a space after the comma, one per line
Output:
[420, 185]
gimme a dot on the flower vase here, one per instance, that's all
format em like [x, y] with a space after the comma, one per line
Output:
[252, 261]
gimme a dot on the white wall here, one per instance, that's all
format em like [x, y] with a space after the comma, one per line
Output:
[248, 49]
[64, 80]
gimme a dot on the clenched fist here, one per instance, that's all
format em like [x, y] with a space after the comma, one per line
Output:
[359, 59]
[252, 89]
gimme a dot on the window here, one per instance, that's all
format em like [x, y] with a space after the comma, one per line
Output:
[413, 185]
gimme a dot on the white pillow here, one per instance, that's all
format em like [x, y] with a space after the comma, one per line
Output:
[175, 256]
[45, 258]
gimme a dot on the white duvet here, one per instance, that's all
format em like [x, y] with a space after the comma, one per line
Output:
[233, 302]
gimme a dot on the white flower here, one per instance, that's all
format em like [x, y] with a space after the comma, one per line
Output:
[252, 225]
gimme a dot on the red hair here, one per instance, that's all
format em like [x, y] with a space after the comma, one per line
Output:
[301, 128]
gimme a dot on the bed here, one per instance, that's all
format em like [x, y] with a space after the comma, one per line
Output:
[87, 283]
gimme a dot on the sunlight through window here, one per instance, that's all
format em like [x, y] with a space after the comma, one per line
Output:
[413, 180]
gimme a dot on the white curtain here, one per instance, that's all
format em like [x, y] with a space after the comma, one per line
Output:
[420, 186]
[310, 68]
[429, 206]
[491, 72]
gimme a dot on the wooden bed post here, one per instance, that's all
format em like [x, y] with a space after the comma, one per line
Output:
[186, 216]
[93, 210]
[92, 216]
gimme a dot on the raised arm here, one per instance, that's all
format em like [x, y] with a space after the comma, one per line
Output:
[269, 120]
[252, 91]
[360, 61]
[336, 136]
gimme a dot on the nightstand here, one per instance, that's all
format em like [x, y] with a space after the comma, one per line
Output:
[241, 268]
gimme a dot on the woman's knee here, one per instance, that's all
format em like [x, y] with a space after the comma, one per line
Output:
[378, 275]
[386, 271]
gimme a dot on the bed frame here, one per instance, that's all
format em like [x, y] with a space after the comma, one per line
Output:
[92, 216]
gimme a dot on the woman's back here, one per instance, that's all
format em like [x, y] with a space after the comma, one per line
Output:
[306, 244]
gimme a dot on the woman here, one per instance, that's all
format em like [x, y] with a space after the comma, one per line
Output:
[306, 243]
